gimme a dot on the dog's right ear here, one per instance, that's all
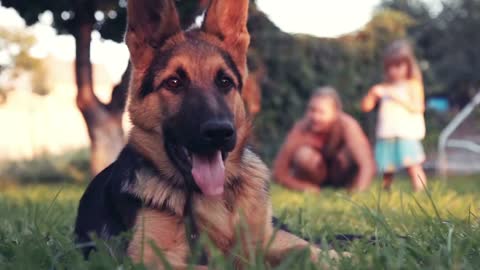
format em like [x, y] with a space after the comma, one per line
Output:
[150, 23]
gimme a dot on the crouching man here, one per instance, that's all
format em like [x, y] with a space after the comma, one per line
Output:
[326, 148]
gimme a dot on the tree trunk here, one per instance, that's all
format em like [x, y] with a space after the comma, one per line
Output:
[104, 122]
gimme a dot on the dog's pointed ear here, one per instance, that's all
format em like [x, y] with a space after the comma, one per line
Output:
[227, 20]
[150, 23]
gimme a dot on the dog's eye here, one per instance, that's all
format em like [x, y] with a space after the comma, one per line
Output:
[173, 84]
[224, 83]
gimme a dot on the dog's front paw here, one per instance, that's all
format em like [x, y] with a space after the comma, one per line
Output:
[316, 253]
[325, 258]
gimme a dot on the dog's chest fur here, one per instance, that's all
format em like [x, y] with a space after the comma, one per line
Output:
[245, 206]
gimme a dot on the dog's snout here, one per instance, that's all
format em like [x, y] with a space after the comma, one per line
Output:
[217, 132]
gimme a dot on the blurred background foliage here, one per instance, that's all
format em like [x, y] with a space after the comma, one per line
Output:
[297, 64]
[70, 167]
[446, 43]
[15, 46]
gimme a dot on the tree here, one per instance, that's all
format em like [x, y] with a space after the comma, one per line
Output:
[418, 10]
[450, 44]
[79, 18]
[421, 13]
[16, 45]
[363, 62]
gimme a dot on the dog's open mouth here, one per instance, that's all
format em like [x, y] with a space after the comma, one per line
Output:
[207, 170]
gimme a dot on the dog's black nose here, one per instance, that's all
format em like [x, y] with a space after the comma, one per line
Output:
[217, 132]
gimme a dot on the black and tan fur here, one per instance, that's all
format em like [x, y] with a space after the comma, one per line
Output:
[147, 189]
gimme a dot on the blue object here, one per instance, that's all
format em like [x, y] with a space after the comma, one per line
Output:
[439, 104]
[394, 154]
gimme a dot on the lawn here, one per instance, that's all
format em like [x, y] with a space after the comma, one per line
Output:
[434, 230]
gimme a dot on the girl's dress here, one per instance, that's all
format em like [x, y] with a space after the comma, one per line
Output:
[399, 131]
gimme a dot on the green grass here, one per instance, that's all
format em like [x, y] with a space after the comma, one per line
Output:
[440, 229]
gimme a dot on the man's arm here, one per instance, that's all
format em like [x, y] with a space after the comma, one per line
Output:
[283, 163]
[361, 151]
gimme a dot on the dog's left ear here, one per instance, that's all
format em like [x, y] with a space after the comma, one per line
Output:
[227, 20]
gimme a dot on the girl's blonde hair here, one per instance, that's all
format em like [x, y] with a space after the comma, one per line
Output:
[401, 51]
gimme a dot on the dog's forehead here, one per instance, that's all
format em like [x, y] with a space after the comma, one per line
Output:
[198, 50]
[194, 55]
[194, 47]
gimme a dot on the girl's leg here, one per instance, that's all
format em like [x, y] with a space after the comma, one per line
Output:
[387, 180]
[386, 159]
[418, 177]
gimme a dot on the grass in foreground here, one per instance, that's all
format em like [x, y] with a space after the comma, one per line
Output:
[439, 229]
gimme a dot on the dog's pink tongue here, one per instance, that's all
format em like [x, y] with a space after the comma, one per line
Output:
[209, 173]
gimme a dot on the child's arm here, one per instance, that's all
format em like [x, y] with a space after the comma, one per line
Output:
[416, 101]
[370, 100]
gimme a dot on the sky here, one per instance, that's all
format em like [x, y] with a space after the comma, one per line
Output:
[323, 18]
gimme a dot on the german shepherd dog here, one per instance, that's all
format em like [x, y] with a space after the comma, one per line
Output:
[186, 168]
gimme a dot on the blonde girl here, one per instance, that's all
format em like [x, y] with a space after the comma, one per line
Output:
[401, 124]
